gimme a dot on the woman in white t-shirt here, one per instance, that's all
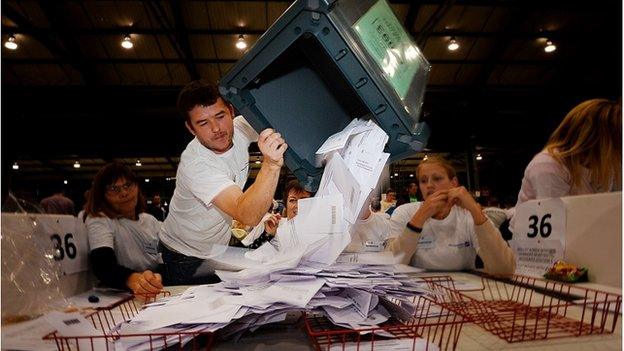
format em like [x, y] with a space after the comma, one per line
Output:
[123, 240]
[582, 156]
[448, 229]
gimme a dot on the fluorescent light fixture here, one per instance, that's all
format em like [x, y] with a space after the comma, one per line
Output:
[550, 47]
[127, 43]
[453, 44]
[10, 44]
[241, 44]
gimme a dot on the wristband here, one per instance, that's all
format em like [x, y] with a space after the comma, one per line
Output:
[414, 228]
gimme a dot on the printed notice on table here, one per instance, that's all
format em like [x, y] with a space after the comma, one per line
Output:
[534, 259]
[539, 235]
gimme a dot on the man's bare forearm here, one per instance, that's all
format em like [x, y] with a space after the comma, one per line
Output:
[255, 202]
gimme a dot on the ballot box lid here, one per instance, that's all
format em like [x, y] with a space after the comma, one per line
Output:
[323, 63]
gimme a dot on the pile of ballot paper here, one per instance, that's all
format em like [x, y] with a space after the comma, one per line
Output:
[354, 296]
[303, 271]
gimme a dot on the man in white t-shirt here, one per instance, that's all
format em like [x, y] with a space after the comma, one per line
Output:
[210, 177]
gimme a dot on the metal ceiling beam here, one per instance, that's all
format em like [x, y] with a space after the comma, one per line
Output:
[500, 46]
[557, 35]
[54, 167]
[102, 61]
[508, 3]
[24, 26]
[410, 18]
[55, 14]
[163, 19]
[433, 21]
[182, 38]
[133, 30]
[172, 163]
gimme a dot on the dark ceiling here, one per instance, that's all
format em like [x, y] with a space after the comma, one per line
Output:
[70, 91]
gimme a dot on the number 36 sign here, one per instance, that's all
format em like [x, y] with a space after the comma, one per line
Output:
[69, 241]
[539, 235]
[540, 219]
[66, 236]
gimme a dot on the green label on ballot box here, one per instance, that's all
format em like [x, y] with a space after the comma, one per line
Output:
[385, 40]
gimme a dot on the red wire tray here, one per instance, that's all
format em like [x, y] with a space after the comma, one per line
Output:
[521, 308]
[440, 330]
[104, 320]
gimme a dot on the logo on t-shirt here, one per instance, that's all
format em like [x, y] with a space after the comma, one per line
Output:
[464, 244]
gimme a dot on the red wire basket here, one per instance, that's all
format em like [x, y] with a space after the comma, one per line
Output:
[431, 327]
[104, 319]
[522, 308]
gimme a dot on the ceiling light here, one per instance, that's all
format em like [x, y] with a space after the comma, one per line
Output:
[411, 175]
[453, 44]
[77, 164]
[10, 44]
[15, 166]
[425, 157]
[396, 174]
[65, 182]
[479, 157]
[127, 43]
[241, 44]
[550, 47]
[258, 162]
[138, 163]
[147, 180]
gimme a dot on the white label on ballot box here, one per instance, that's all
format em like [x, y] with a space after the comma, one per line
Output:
[69, 239]
[539, 235]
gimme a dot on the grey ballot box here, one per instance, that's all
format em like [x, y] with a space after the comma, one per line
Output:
[323, 63]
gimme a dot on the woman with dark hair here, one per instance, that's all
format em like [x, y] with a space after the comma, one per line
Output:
[122, 238]
[266, 230]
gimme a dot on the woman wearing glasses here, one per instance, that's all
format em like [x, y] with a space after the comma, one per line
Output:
[123, 240]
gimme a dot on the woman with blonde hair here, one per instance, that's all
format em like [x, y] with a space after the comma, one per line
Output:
[582, 156]
[447, 230]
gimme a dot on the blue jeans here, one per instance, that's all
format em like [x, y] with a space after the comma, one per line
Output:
[186, 270]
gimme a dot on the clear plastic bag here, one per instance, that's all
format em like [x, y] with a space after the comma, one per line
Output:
[30, 274]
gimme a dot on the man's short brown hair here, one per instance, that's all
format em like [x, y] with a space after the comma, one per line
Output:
[197, 93]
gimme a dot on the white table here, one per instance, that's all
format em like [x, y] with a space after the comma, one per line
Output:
[472, 337]
[291, 336]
